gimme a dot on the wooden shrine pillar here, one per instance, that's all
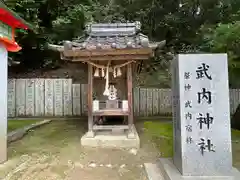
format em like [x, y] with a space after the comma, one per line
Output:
[90, 101]
[130, 100]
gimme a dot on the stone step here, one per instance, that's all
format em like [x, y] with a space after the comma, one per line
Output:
[153, 172]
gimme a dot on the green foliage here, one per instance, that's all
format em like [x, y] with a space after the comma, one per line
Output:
[54, 21]
[186, 25]
[225, 38]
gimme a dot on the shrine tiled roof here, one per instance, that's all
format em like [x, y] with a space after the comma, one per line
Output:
[122, 36]
[113, 29]
[114, 35]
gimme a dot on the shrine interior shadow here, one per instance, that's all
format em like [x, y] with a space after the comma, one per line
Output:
[111, 120]
[114, 120]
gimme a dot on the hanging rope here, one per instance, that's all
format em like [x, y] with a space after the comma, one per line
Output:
[115, 74]
[106, 91]
[124, 64]
[104, 67]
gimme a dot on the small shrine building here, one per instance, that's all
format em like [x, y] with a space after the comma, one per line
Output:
[112, 53]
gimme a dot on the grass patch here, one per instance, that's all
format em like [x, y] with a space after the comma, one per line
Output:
[16, 124]
[161, 135]
[156, 128]
[235, 134]
[162, 117]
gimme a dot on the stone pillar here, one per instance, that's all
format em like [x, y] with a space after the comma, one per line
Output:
[201, 115]
[3, 102]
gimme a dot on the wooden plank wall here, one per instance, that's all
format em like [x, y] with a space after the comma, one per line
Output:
[45, 97]
[59, 97]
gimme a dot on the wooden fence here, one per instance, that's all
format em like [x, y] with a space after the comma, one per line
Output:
[59, 97]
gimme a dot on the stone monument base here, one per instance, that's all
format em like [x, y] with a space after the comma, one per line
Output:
[164, 169]
[109, 139]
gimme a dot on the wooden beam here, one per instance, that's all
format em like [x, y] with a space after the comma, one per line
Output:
[111, 112]
[105, 58]
[110, 127]
[90, 100]
[106, 52]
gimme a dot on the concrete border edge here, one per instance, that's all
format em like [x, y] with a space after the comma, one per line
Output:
[21, 132]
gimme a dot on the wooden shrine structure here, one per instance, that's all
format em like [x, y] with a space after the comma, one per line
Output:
[111, 52]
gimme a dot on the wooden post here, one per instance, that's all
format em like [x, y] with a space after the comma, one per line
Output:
[130, 101]
[90, 101]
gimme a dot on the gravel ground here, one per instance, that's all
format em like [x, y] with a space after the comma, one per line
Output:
[54, 152]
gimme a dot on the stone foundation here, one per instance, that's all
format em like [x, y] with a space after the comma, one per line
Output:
[164, 169]
[109, 139]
